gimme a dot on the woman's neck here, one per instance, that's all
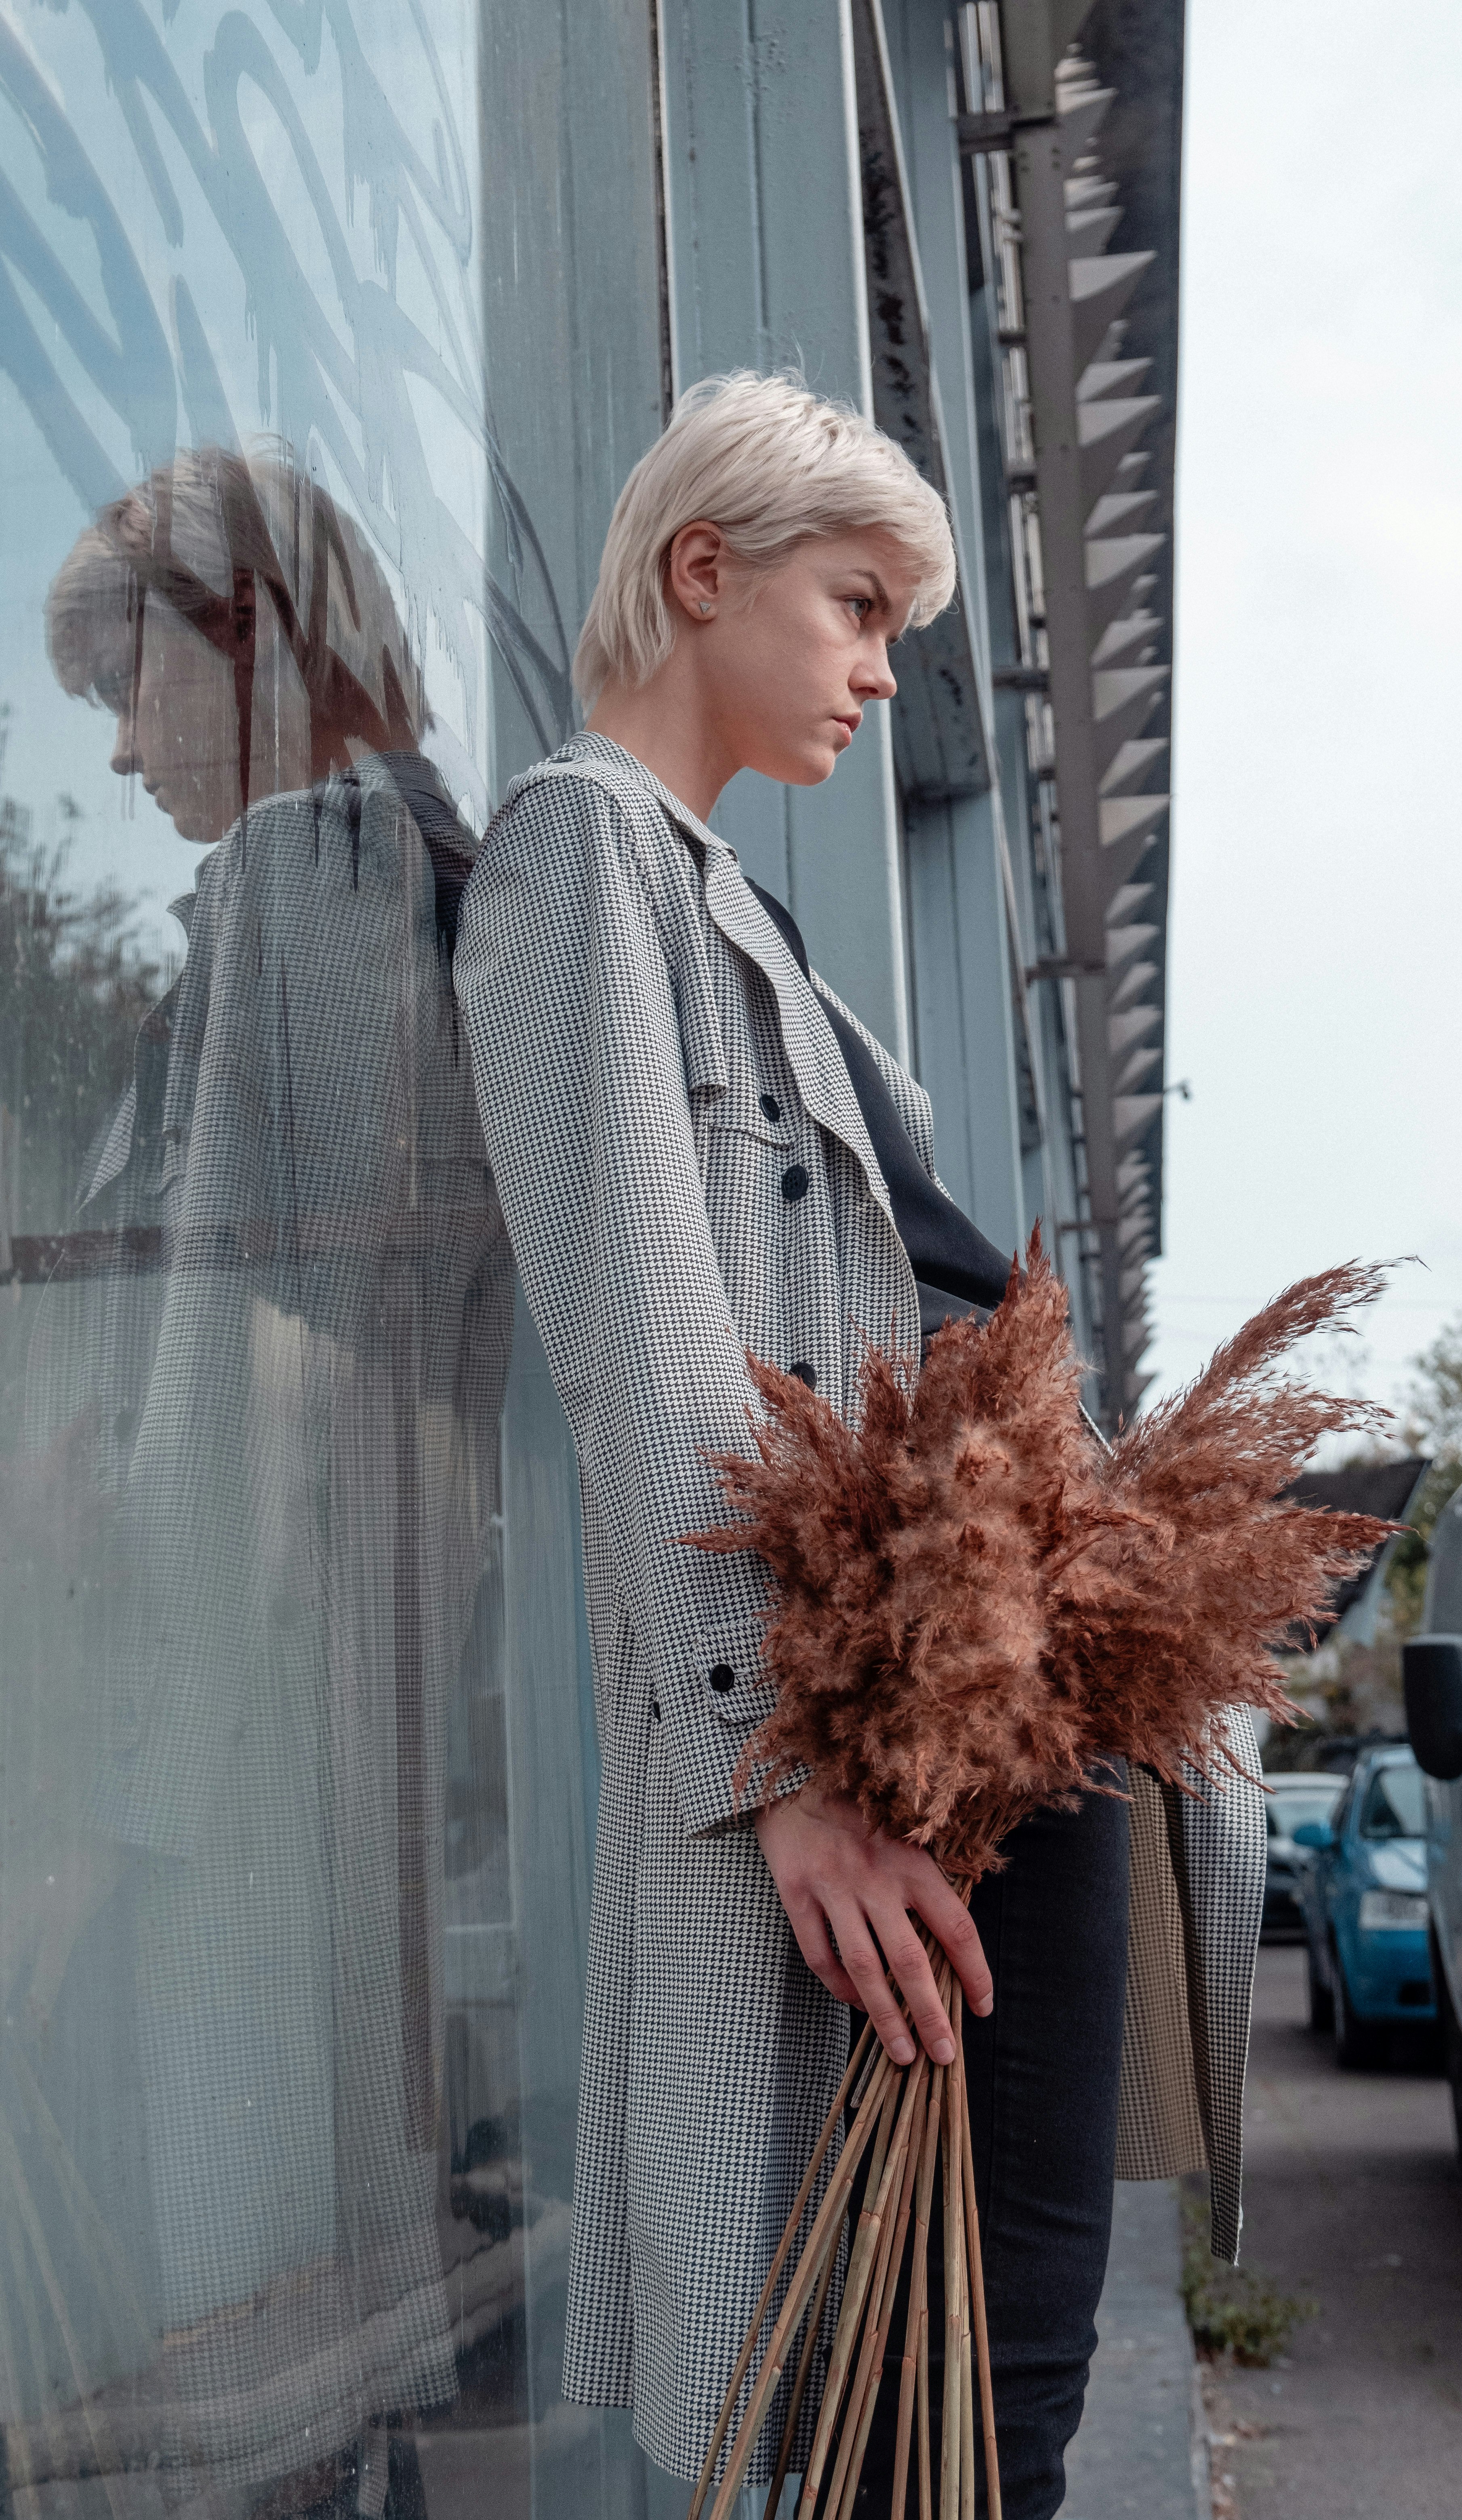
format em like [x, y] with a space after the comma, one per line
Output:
[668, 726]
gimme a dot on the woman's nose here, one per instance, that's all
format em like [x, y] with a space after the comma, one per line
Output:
[874, 678]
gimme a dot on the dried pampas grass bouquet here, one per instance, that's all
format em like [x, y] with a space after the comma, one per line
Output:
[976, 1602]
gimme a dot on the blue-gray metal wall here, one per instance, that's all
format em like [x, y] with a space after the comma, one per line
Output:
[918, 906]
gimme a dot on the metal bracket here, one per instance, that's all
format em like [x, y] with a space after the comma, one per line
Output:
[1064, 966]
[980, 133]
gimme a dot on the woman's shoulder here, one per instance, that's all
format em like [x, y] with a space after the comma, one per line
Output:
[587, 800]
[588, 777]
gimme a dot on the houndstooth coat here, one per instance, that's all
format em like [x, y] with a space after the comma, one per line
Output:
[686, 1174]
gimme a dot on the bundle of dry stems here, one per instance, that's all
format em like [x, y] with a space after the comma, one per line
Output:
[975, 1603]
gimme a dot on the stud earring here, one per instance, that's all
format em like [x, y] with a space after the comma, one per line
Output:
[706, 608]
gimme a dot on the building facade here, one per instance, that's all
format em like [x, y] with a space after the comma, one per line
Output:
[329, 330]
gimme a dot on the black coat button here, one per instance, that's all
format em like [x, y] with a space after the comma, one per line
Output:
[655, 1708]
[805, 1374]
[722, 1677]
[771, 1107]
[794, 1182]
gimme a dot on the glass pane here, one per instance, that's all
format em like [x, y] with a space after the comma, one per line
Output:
[1395, 1804]
[1286, 1812]
[316, 381]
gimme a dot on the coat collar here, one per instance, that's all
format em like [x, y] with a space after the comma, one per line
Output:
[811, 1045]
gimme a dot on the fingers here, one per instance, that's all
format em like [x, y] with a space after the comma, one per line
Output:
[837, 1878]
[815, 1944]
[908, 1961]
[876, 1996]
[949, 1918]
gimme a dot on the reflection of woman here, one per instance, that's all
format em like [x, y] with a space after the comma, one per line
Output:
[700, 1151]
[298, 1422]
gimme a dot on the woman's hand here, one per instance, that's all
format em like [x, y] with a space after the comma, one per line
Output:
[831, 1870]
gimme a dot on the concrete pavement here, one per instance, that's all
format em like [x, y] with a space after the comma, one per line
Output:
[1353, 2196]
[1139, 2452]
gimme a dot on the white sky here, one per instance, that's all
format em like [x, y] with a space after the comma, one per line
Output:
[1317, 941]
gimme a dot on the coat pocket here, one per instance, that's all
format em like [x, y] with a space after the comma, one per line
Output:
[745, 1109]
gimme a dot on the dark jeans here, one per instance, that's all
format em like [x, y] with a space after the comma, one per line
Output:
[1043, 2073]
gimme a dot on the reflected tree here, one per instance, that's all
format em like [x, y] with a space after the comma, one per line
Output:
[77, 981]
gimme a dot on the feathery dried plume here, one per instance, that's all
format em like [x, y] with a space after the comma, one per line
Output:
[976, 1602]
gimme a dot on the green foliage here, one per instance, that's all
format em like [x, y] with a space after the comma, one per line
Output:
[1234, 2309]
[1406, 1575]
[1435, 1399]
[74, 985]
[1434, 1408]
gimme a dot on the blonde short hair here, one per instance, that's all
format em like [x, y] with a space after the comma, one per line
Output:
[772, 463]
[332, 660]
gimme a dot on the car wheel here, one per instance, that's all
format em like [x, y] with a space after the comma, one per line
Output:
[1321, 2001]
[1451, 2040]
[1356, 2043]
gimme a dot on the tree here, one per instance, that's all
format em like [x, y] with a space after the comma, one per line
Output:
[75, 982]
[1434, 1408]
[1352, 1688]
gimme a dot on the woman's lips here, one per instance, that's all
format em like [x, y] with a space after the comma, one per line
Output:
[850, 725]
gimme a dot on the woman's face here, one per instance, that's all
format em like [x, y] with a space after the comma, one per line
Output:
[795, 653]
[177, 718]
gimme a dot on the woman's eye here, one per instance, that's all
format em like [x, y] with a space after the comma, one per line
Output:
[860, 605]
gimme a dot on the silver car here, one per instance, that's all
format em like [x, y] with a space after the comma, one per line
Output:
[1289, 1801]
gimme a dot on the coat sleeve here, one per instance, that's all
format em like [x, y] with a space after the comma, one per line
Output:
[1219, 1859]
[567, 995]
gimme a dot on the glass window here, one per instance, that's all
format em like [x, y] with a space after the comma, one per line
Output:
[1395, 1804]
[317, 377]
[1284, 1812]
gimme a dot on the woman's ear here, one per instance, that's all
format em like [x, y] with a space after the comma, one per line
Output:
[696, 571]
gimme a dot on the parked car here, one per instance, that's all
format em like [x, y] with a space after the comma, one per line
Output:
[1290, 1800]
[1364, 1895]
[1432, 1667]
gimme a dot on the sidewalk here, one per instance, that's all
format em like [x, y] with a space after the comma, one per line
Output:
[1135, 2451]
[1133, 2457]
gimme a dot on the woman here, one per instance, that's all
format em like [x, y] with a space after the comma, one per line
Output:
[700, 1151]
[279, 1340]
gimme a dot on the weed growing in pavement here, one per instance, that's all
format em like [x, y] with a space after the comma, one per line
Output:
[1234, 2309]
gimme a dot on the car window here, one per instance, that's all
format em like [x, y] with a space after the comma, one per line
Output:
[1286, 1812]
[1394, 1803]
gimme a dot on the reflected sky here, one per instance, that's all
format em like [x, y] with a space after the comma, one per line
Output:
[193, 258]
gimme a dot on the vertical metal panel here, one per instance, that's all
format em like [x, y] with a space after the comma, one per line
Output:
[919, 58]
[940, 743]
[571, 308]
[765, 242]
[761, 184]
[964, 1017]
[965, 1021]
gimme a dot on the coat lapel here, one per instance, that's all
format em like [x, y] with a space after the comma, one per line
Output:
[811, 1045]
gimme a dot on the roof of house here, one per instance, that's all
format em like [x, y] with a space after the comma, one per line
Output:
[1385, 1489]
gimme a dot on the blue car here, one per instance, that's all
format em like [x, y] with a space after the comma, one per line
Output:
[1364, 1896]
